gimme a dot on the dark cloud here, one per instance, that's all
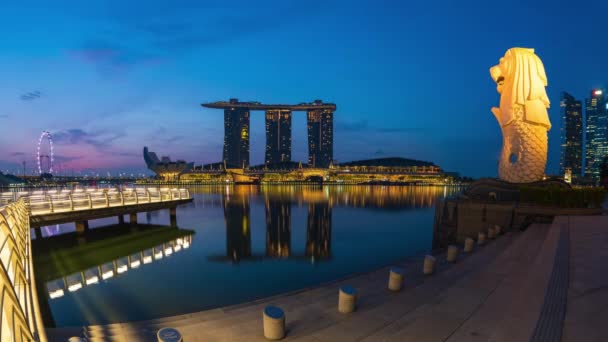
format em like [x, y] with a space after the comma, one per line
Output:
[379, 153]
[4, 116]
[113, 58]
[17, 154]
[75, 136]
[151, 35]
[31, 96]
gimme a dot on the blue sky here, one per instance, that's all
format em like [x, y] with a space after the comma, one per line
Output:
[409, 80]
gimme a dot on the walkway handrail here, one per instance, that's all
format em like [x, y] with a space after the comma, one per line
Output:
[17, 276]
[53, 201]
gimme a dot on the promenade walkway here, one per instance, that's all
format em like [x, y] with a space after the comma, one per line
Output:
[20, 313]
[545, 284]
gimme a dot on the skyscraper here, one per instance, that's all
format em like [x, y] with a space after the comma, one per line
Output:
[571, 135]
[597, 133]
[320, 136]
[278, 136]
[236, 136]
[320, 126]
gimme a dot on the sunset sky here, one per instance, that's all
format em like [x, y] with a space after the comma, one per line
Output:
[409, 80]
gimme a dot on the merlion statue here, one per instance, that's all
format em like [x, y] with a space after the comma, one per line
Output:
[522, 116]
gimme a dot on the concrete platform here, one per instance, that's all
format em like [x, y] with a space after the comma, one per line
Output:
[497, 293]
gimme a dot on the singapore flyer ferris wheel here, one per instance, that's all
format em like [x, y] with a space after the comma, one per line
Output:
[44, 153]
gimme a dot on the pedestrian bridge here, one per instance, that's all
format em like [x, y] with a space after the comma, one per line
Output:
[20, 318]
[44, 202]
[50, 207]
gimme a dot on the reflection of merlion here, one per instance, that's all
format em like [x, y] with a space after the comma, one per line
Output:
[522, 115]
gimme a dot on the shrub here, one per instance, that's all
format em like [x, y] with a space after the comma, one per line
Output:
[562, 197]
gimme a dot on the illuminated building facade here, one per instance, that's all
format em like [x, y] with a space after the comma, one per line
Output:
[571, 135]
[165, 168]
[278, 131]
[320, 123]
[236, 136]
[596, 133]
[278, 136]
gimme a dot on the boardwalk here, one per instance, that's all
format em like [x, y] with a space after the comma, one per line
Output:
[52, 207]
[498, 293]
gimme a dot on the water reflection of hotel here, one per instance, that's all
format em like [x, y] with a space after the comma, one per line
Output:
[278, 228]
[318, 231]
[238, 225]
[56, 288]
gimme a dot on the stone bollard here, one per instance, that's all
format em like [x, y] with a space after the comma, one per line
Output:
[481, 238]
[347, 301]
[491, 233]
[274, 323]
[497, 230]
[169, 335]
[429, 265]
[395, 279]
[452, 254]
[468, 245]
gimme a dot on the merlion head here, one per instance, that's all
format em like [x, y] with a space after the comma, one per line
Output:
[520, 77]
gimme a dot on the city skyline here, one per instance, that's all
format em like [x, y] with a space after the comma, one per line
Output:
[108, 79]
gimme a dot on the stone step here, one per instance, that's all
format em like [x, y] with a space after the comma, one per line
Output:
[442, 317]
[367, 324]
[510, 313]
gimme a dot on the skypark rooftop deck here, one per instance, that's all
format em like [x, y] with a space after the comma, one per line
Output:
[235, 103]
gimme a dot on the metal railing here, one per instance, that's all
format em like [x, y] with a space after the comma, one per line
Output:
[57, 201]
[20, 314]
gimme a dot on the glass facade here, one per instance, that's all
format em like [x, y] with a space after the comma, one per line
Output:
[278, 136]
[596, 133]
[571, 135]
[236, 137]
[320, 137]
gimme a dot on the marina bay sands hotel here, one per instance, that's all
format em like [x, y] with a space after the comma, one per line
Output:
[320, 124]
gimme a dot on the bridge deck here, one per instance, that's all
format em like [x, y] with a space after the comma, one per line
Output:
[66, 216]
[70, 205]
